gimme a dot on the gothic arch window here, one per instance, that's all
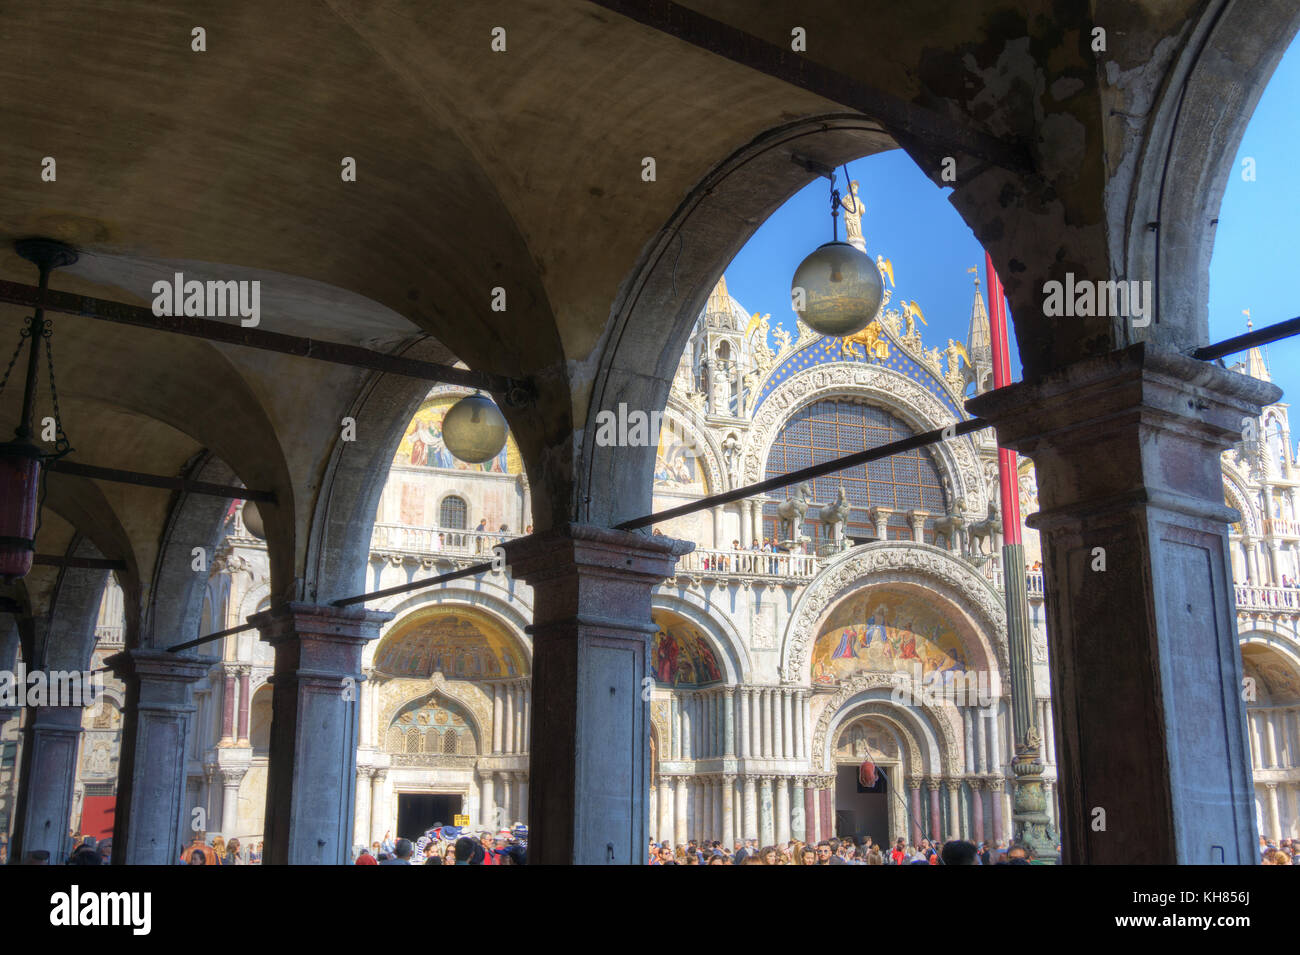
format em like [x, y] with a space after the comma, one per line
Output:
[395, 743]
[431, 741]
[453, 513]
[902, 482]
[412, 740]
[449, 742]
[467, 745]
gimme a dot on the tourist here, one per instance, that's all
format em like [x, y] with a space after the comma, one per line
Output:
[959, 852]
[200, 846]
[197, 857]
[401, 853]
[233, 856]
[808, 855]
[874, 857]
[387, 844]
[824, 854]
[365, 858]
[899, 853]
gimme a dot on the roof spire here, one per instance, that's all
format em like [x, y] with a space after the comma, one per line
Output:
[1256, 366]
[978, 345]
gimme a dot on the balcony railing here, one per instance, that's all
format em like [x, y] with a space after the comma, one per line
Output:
[436, 541]
[1281, 527]
[1251, 597]
[749, 563]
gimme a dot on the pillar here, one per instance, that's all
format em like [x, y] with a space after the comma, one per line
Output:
[1127, 448]
[361, 832]
[728, 835]
[977, 809]
[766, 832]
[498, 708]
[487, 801]
[995, 795]
[242, 731]
[228, 708]
[787, 714]
[743, 728]
[508, 716]
[826, 808]
[936, 827]
[809, 810]
[379, 807]
[43, 808]
[591, 631]
[1274, 815]
[231, 777]
[666, 813]
[954, 810]
[313, 750]
[679, 806]
[151, 772]
[782, 808]
[729, 748]
[751, 808]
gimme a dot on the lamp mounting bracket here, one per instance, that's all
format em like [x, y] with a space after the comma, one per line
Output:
[813, 166]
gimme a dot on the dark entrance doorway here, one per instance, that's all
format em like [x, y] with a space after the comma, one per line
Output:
[861, 812]
[417, 812]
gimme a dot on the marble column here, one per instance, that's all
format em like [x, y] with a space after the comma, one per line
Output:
[508, 717]
[810, 810]
[936, 830]
[679, 806]
[231, 777]
[591, 631]
[228, 708]
[742, 697]
[487, 801]
[43, 807]
[746, 525]
[729, 747]
[798, 809]
[765, 828]
[667, 813]
[765, 702]
[728, 810]
[751, 808]
[954, 810]
[309, 818]
[379, 807]
[498, 708]
[756, 723]
[787, 739]
[1270, 740]
[1127, 448]
[782, 808]
[653, 803]
[242, 731]
[977, 808]
[361, 830]
[151, 772]
[995, 787]
[1274, 815]
[719, 541]
[826, 809]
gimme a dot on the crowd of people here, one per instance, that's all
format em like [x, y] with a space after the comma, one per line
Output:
[840, 852]
[447, 845]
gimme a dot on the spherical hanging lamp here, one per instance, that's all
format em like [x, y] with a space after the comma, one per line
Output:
[842, 290]
[21, 459]
[474, 429]
[867, 774]
[252, 518]
[837, 290]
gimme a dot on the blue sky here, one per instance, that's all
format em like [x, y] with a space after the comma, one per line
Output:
[909, 220]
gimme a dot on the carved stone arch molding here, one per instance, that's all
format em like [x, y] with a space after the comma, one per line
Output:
[714, 623]
[687, 420]
[439, 686]
[898, 562]
[835, 711]
[503, 599]
[896, 393]
[1243, 501]
[901, 726]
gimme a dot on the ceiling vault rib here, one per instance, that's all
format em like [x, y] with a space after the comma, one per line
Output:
[907, 122]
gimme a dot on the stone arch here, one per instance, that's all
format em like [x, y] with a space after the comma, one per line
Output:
[957, 461]
[1260, 647]
[980, 619]
[688, 422]
[442, 689]
[1235, 489]
[942, 754]
[68, 641]
[446, 604]
[660, 301]
[1184, 154]
[176, 592]
[717, 626]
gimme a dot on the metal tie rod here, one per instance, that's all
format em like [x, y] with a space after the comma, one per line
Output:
[808, 473]
[1261, 336]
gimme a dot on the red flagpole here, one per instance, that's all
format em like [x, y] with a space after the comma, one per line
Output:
[1008, 477]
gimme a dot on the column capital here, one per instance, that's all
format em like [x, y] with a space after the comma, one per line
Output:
[952, 785]
[996, 784]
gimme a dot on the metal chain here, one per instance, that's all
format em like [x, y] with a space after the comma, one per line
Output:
[835, 210]
[25, 333]
[62, 445]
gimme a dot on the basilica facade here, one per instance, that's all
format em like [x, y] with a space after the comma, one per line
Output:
[857, 618]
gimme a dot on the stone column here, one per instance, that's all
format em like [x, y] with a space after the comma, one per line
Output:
[361, 832]
[917, 520]
[685, 708]
[497, 709]
[666, 812]
[679, 804]
[808, 727]
[977, 808]
[954, 810]
[719, 543]
[809, 810]
[766, 832]
[756, 723]
[313, 753]
[1270, 739]
[49, 772]
[827, 808]
[936, 828]
[787, 730]
[782, 808]
[378, 807]
[487, 801]
[728, 835]
[742, 727]
[1274, 815]
[242, 732]
[231, 777]
[751, 808]
[798, 820]
[151, 772]
[591, 631]
[1127, 448]
[228, 708]
[527, 719]
[880, 515]
[729, 747]
[995, 795]
[746, 525]
[508, 714]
